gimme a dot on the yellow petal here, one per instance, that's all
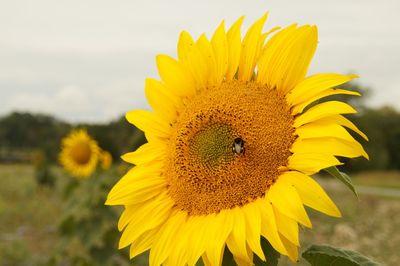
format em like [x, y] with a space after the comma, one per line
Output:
[287, 226]
[138, 191]
[318, 129]
[220, 46]
[143, 243]
[130, 212]
[149, 122]
[199, 236]
[185, 44]
[139, 172]
[329, 145]
[270, 54]
[150, 137]
[251, 49]
[323, 110]
[234, 48]
[300, 107]
[338, 119]
[313, 85]
[296, 65]
[192, 58]
[165, 239]
[175, 76]
[161, 100]
[311, 193]
[292, 249]
[237, 239]
[207, 51]
[247, 262]
[125, 218]
[286, 61]
[150, 151]
[179, 252]
[206, 261]
[269, 228]
[288, 202]
[144, 217]
[253, 228]
[138, 185]
[221, 227]
[311, 163]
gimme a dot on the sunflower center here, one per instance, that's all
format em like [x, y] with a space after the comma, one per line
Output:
[227, 147]
[211, 146]
[81, 153]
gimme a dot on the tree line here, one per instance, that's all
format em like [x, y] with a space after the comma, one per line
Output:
[23, 133]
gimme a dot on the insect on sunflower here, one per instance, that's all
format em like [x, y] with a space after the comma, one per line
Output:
[231, 147]
[79, 154]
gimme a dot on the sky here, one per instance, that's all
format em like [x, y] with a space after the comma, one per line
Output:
[86, 60]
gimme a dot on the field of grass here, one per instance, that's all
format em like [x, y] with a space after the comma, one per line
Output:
[370, 224]
[29, 215]
[389, 179]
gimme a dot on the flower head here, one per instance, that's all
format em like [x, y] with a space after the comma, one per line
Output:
[105, 159]
[79, 154]
[231, 147]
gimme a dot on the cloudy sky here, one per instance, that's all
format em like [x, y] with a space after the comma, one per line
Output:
[86, 60]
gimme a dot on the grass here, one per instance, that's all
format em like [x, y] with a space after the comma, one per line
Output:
[369, 225]
[388, 179]
[27, 216]
[29, 213]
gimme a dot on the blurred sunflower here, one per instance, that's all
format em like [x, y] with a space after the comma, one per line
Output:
[105, 159]
[79, 154]
[231, 147]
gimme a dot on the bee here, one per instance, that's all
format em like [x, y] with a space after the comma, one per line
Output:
[238, 146]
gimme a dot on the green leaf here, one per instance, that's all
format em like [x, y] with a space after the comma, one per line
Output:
[271, 255]
[228, 259]
[320, 255]
[333, 171]
[200, 262]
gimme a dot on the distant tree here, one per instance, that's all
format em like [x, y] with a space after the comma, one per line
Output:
[117, 137]
[356, 102]
[25, 132]
[382, 126]
[22, 133]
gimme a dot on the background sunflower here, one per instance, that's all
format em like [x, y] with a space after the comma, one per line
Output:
[79, 154]
[105, 159]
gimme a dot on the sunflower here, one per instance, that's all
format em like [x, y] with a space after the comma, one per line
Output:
[232, 141]
[105, 159]
[79, 154]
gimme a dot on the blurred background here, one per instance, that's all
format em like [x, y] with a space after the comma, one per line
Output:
[68, 64]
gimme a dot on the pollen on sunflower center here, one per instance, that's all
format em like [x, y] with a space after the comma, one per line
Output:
[81, 153]
[203, 173]
[212, 145]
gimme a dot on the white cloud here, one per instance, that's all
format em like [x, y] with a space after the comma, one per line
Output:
[106, 49]
[79, 104]
[69, 101]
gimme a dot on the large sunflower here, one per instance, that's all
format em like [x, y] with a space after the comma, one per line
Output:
[231, 147]
[79, 154]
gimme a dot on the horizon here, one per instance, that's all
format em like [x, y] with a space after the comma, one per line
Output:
[122, 115]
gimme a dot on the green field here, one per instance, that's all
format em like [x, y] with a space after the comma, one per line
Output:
[29, 215]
